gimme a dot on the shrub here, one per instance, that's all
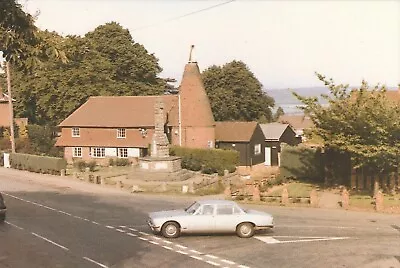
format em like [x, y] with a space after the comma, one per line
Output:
[80, 165]
[35, 163]
[91, 165]
[111, 162]
[122, 162]
[207, 160]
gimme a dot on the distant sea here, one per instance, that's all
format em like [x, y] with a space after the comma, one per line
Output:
[289, 103]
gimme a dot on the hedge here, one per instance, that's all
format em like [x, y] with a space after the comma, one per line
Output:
[36, 163]
[209, 161]
[301, 162]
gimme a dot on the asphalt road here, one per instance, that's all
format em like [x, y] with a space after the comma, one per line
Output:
[51, 224]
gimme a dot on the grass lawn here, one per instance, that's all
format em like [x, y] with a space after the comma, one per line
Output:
[295, 189]
[366, 201]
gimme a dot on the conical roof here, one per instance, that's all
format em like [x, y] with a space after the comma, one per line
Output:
[195, 106]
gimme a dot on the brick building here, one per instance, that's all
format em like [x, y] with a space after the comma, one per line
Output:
[122, 126]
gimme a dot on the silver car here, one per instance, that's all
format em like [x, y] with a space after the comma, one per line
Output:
[210, 216]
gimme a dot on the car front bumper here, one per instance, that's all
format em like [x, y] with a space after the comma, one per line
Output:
[153, 227]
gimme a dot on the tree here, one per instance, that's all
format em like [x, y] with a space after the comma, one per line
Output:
[236, 94]
[279, 112]
[105, 62]
[361, 122]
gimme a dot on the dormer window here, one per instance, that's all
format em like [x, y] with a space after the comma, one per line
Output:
[121, 133]
[76, 132]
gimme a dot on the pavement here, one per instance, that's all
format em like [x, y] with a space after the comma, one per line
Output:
[59, 222]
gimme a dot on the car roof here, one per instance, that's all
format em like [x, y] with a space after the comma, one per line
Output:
[216, 201]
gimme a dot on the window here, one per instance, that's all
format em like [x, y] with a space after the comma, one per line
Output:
[77, 152]
[224, 210]
[76, 132]
[121, 133]
[98, 152]
[207, 210]
[123, 152]
[257, 149]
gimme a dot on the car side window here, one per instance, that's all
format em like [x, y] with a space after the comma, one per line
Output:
[224, 210]
[236, 210]
[207, 210]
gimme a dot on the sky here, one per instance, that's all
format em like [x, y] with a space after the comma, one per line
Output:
[283, 42]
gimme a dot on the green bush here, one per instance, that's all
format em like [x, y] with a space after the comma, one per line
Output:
[111, 162]
[35, 163]
[80, 165]
[91, 165]
[301, 162]
[122, 162]
[207, 160]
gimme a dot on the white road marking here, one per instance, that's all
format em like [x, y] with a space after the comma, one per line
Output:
[95, 262]
[166, 241]
[157, 238]
[211, 256]
[195, 251]
[182, 252]
[142, 238]
[66, 213]
[298, 239]
[243, 266]
[122, 226]
[317, 226]
[154, 242]
[213, 263]
[143, 233]
[48, 240]
[86, 219]
[94, 222]
[78, 217]
[228, 262]
[196, 257]
[168, 247]
[134, 235]
[267, 239]
[16, 226]
[132, 229]
[120, 230]
[110, 227]
[180, 246]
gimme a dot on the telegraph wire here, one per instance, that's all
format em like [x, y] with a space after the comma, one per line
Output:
[183, 16]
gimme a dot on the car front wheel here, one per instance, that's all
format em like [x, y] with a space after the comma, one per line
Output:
[245, 230]
[170, 230]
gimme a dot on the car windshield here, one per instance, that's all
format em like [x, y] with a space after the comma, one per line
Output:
[192, 208]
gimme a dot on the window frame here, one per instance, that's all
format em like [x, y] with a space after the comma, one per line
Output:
[75, 132]
[121, 133]
[119, 155]
[257, 149]
[75, 151]
[98, 152]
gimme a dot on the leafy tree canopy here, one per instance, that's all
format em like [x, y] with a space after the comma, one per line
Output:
[362, 122]
[236, 94]
[104, 62]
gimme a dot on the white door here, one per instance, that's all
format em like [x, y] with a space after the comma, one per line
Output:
[267, 161]
[7, 160]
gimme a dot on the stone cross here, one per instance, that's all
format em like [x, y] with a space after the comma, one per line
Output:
[160, 143]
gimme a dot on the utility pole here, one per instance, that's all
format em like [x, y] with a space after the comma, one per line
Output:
[10, 107]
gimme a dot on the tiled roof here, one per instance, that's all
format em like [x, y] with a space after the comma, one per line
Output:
[121, 111]
[296, 121]
[195, 106]
[234, 131]
[273, 131]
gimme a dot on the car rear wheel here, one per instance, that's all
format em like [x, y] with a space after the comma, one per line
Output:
[245, 230]
[170, 230]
